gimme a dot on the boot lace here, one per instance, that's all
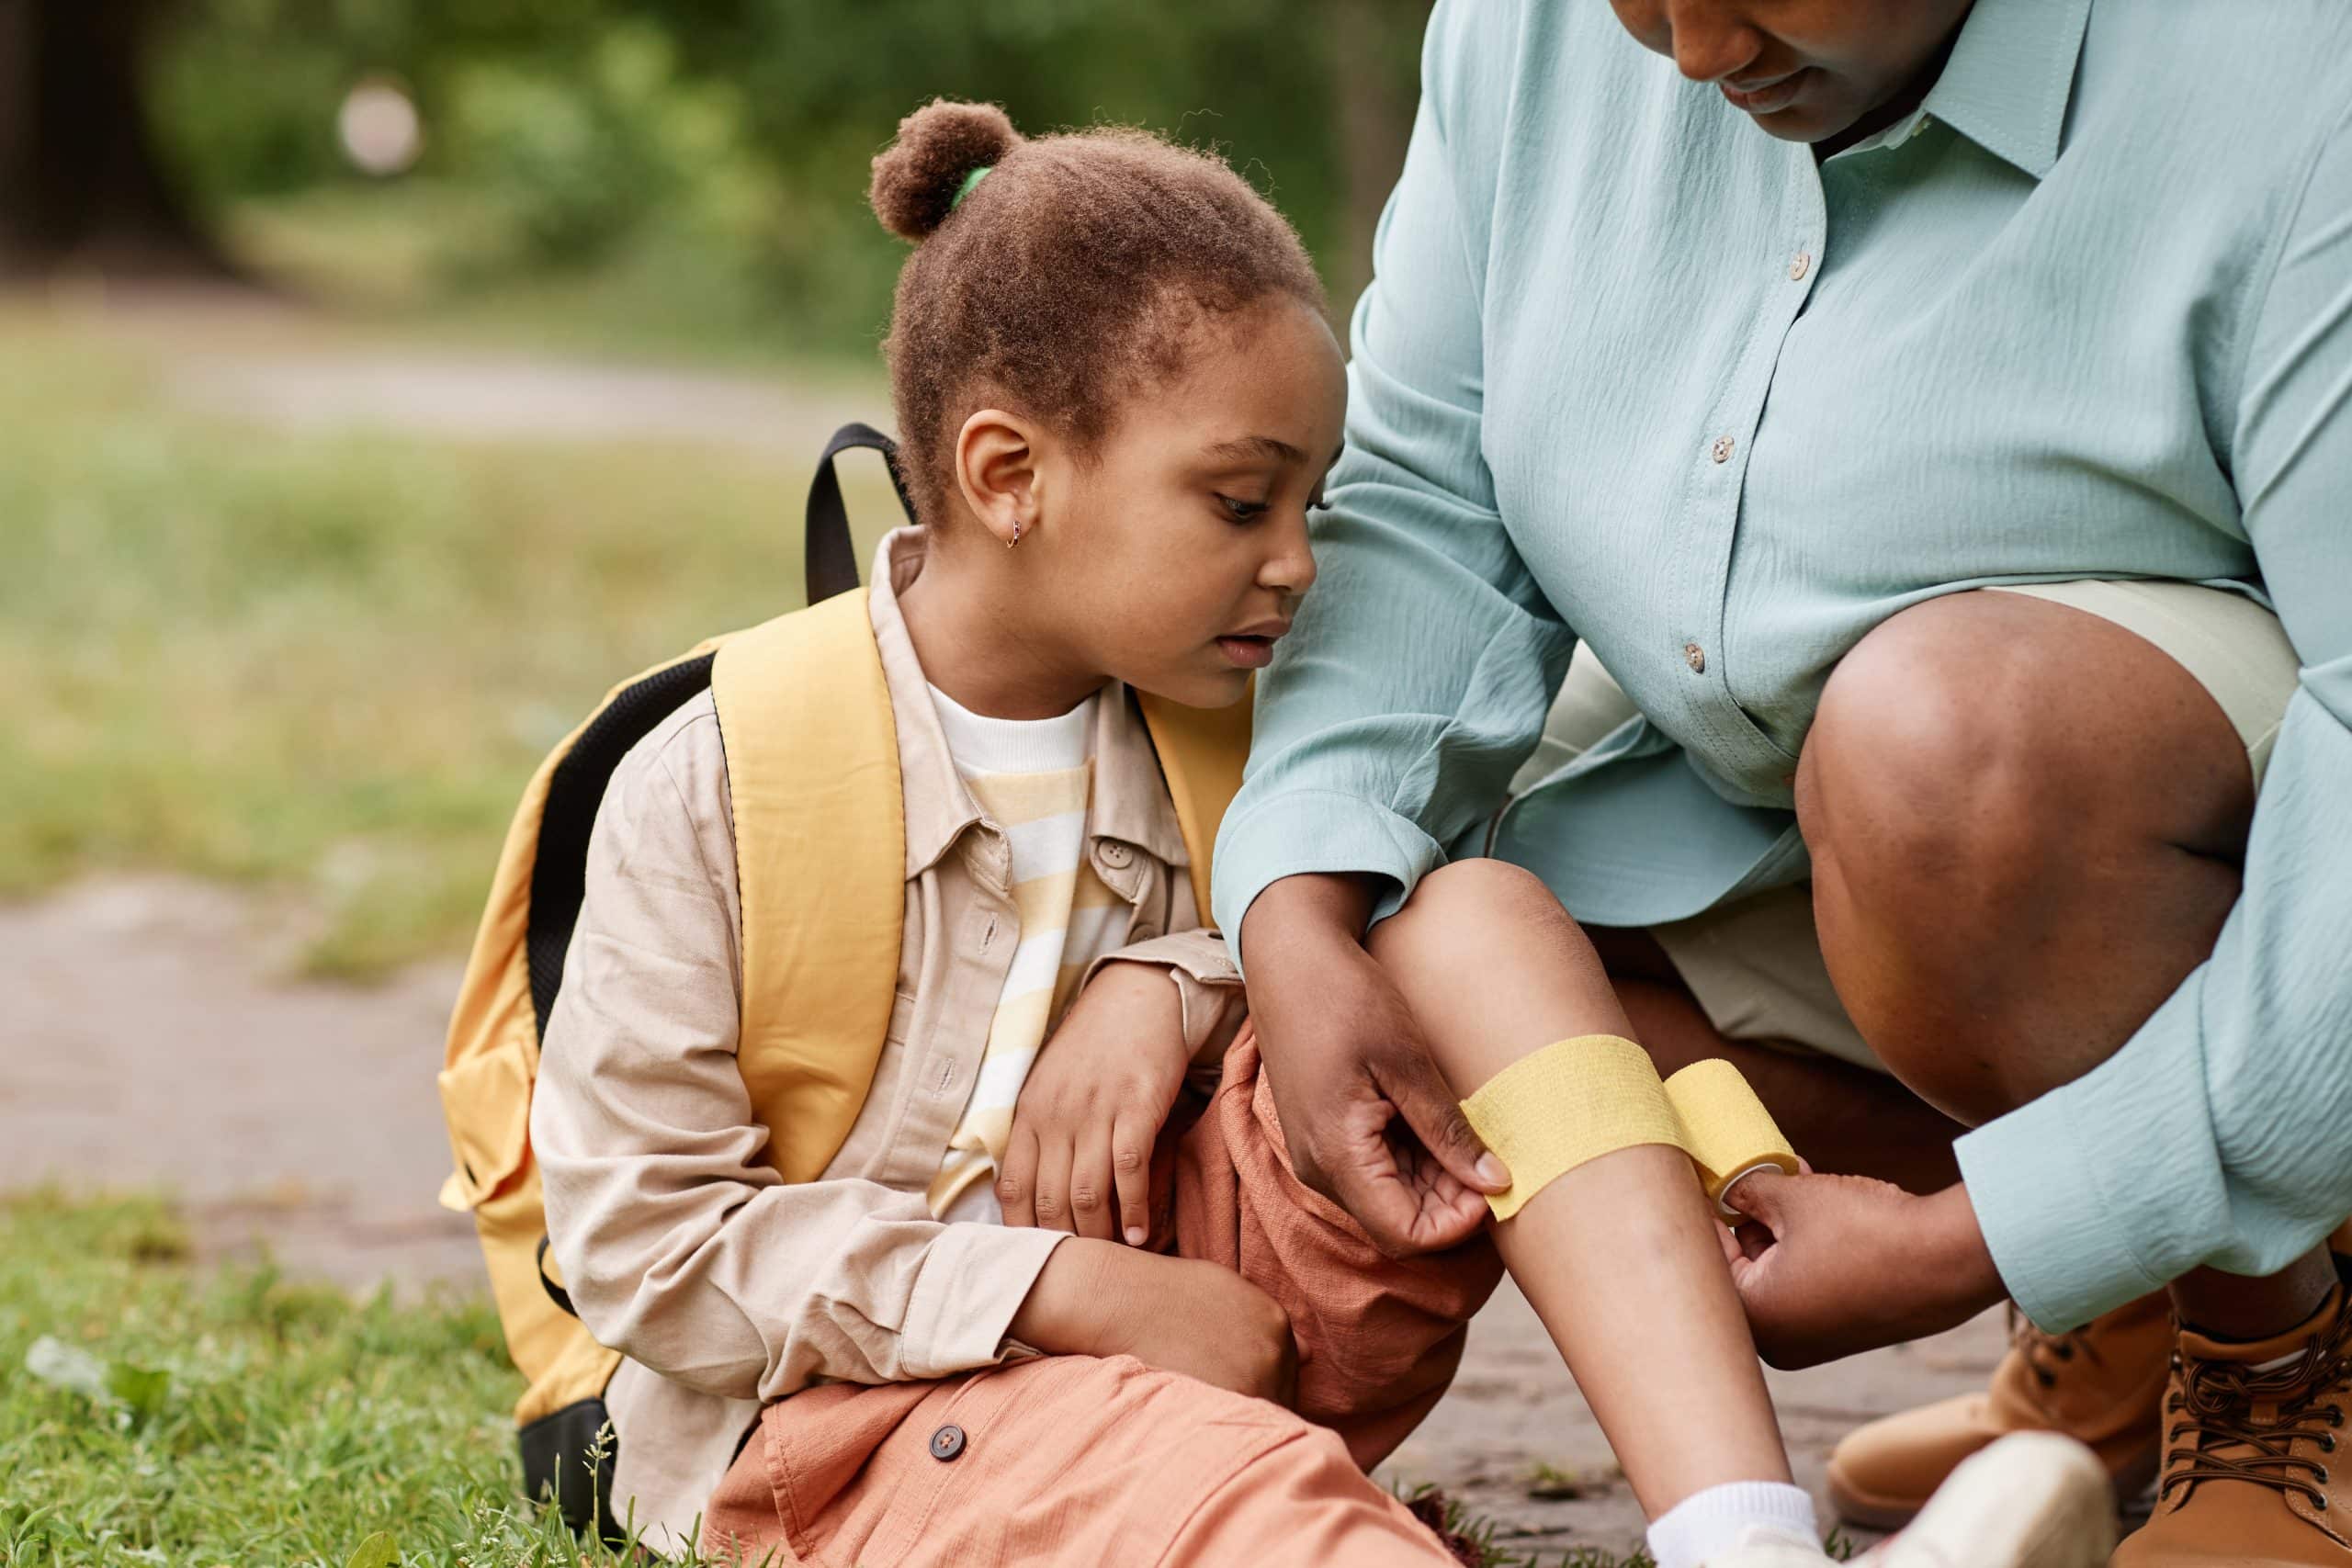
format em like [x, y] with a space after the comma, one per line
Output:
[2215, 1405]
[2047, 1353]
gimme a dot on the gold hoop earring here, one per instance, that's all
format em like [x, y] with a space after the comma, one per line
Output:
[1016, 535]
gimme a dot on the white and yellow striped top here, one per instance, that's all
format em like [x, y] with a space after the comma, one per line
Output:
[1032, 778]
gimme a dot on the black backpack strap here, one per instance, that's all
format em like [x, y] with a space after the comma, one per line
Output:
[829, 556]
[555, 1293]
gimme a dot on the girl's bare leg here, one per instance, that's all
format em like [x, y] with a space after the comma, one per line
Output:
[1620, 1257]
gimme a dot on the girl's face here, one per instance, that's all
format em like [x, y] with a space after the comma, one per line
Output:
[1175, 553]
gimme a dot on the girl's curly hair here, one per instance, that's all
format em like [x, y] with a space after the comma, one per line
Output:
[1070, 278]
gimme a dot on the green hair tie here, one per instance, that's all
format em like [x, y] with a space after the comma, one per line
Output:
[971, 183]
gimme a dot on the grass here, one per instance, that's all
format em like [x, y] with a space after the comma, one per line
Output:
[182, 1414]
[327, 663]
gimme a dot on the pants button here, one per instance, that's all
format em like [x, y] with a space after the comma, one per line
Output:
[946, 1443]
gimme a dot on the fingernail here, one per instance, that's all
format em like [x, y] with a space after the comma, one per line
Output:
[1134, 1235]
[1491, 1171]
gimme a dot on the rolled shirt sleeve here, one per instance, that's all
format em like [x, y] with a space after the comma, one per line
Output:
[1208, 986]
[2221, 1134]
[680, 1248]
[1417, 675]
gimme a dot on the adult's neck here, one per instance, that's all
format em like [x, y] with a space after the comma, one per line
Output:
[1910, 95]
[973, 620]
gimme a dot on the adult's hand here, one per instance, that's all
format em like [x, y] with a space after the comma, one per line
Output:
[1368, 1119]
[1829, 1266]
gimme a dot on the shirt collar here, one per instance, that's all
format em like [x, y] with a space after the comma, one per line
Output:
[2010, 77]
[1130, 799]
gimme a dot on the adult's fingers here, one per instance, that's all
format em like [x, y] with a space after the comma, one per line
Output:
[1450, 1214]
[1762, 1196]
[1733, 1253]
[1383, 1203]
[1131, 1139]
[1093, 1201]
[1418, 1090]
[1016, 1182]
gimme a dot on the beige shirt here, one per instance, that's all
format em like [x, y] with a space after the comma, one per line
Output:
[723, 1286]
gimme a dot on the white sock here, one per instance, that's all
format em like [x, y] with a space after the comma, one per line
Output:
[1707, 1524]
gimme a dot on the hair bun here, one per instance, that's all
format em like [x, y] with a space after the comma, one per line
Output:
[916, 178]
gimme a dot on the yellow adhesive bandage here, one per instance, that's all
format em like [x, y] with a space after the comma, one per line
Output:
[1547, 1114]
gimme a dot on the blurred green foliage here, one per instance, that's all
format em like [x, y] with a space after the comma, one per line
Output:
[719, 147]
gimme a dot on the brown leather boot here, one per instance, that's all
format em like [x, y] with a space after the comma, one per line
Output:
[2102, 1385]
[2253, 1474]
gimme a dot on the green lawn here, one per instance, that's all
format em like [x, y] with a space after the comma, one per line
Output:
[328, 662]
[156, 1412]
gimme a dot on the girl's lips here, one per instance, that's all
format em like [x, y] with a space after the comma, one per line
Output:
[1247, 652]
[1770, 98]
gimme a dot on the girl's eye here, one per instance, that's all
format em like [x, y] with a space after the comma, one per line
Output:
[1243, 511]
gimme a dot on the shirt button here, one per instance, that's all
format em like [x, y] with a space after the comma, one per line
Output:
[1720, 451]
[1799, 265]
[1695, 657]
[1117, 854]
[946, 1443]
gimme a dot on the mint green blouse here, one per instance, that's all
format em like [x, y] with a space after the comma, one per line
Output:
[1635, 372]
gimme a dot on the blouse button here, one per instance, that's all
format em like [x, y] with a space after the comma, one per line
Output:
[1722, 450]
[1799, 265]
[947, 1443]
[1695, 657]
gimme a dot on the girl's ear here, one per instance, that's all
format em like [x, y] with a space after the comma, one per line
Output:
[997, 469]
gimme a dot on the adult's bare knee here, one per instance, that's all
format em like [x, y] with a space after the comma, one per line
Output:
[1992, 784]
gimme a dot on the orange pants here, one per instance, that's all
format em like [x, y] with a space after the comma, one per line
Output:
[1085, 1460]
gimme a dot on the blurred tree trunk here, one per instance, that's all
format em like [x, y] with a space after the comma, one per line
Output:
[1375, 55]
[81, 188]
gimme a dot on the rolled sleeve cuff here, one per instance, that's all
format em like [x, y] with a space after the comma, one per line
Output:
[2105, 1188]
[1302, 832]
[974, 1278]
[1208, 986]
[2060, 1251]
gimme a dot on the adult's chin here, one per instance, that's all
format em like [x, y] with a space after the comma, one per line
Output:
[1803, 123]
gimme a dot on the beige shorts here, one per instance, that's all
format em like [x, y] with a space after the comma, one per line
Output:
[1754, 966]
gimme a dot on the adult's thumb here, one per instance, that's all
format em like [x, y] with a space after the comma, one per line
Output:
[1418, 1090]
[1760, 1195]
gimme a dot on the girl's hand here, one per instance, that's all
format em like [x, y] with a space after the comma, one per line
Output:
[1080, 1154]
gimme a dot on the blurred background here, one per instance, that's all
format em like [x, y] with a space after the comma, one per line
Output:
[379, 381]
[380, 378]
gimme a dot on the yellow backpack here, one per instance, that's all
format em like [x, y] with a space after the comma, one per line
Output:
[813, 768]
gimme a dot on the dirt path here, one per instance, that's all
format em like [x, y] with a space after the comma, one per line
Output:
[150, 1043]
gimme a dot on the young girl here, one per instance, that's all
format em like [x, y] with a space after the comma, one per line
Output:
[1042, 1305]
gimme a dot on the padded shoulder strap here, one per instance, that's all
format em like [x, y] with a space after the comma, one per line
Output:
[1201, 752]
[812, 762]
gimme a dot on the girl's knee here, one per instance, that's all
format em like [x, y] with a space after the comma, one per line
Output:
[1466, 916]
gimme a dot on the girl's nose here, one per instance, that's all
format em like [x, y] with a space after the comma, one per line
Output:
[1290, 569]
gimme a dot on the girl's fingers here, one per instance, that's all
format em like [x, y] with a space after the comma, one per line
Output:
[1052, 1182]
[1131, 1139]
[1095, 1209]
[1016, 1184]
